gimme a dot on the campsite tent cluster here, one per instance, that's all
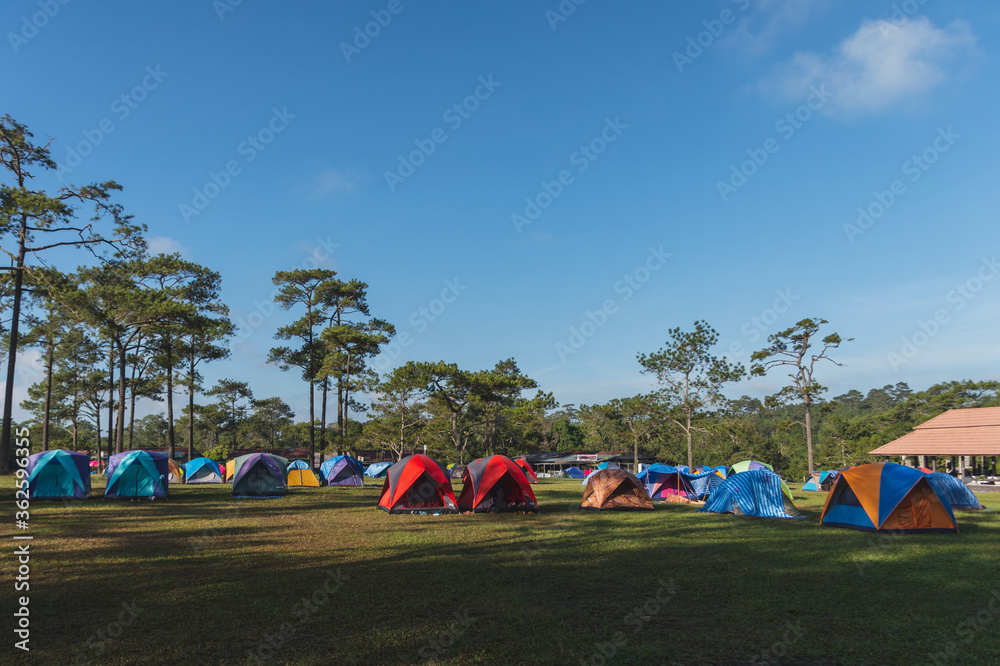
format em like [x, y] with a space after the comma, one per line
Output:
[60, 474]
[875, 497]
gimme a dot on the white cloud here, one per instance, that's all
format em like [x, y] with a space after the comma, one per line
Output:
[880, 66]
[165, 245]
[339, 180]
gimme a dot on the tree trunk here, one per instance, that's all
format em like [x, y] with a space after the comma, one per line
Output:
[170, 399]
[191, 406]
[6, 450]
[690, 446]
[809, 434]
[312, 424]
[111, 397]
[97, 422]
[48, 399]
[322, 414]
[120, 425]
[347, 398]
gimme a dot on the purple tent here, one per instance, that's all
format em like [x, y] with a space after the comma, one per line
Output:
[136, 474]
[343, 471]
[260, 475]
[58, 474]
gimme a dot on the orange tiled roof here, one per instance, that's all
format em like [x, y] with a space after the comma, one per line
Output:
[966, 432]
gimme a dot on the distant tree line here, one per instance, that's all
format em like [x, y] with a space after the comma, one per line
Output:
[129, 327]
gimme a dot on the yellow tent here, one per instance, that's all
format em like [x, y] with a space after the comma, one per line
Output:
[302, 477]
[230, 470]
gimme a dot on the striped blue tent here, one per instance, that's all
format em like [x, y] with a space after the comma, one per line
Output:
[953, 491]
[755, 493]
[377, 470]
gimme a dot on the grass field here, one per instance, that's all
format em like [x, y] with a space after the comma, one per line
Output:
[322, 576]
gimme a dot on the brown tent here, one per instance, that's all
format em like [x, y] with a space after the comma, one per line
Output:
[614, 489]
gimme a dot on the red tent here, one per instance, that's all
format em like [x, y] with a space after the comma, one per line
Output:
[416, 484]
[529, 473]
[496, 484]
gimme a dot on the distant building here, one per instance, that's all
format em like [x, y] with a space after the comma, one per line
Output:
[963, 433]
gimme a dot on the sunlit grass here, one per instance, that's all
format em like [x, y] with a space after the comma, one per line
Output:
[322, 576]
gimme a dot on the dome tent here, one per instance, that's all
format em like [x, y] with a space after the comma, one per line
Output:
[496, 484]
[880, 497]
[529, 473]
[342, 471]
[299, 474]
[416, 484]
[821, 480]
[58, 474]
[137, 474]
[260, 475]
[614, 489]
[953, 491]
[377, 470]
[758, 493]
[202, 470]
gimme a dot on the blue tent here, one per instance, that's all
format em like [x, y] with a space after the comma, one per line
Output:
[705, 483]
[953, 491]
[573, 473]
[609, 465]
[820, 478]
[880, 497]
[58, 474]
[756, 493]
[134, 474]
[377, 470]
[341, 471]
[202, 470]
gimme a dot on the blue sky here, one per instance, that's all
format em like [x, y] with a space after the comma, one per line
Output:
[535, 163]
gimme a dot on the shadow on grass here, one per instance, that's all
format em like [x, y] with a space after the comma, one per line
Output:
[321, 576]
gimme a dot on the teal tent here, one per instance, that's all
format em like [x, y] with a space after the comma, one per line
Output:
[58, 474]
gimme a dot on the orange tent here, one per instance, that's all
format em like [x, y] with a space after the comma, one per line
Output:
[883, 497]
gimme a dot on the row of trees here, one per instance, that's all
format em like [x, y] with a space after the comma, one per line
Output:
[131, 327]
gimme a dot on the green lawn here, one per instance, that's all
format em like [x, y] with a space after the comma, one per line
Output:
[322, 576]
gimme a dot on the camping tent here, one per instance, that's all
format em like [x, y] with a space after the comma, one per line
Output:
[58, 474]
[573, 473]
[300, 474]
[704, 483]
[230, 470]
[614, 489]
[260, 475]
[202, 470]
[953, 491]
[887, 497]
[750, 465]
[496, 484]
[456, 472]
[134, 474]
[416, 484]
[669, 484]
[757, 493]
[342, 471]
[609, 465]
[377, 470]
[747, 465]
[722, 471]
[176, 471]
[821, 480]
[529, 473]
